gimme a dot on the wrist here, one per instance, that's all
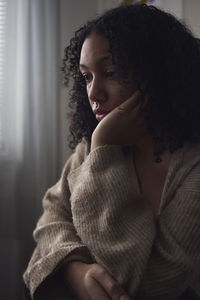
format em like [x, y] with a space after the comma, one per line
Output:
[69, 267]
[73, 275]
[96, 142]
[94, 145]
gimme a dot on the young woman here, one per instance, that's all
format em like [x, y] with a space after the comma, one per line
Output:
[123, 222]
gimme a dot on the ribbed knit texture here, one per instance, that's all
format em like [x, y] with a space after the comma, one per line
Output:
[97, 210]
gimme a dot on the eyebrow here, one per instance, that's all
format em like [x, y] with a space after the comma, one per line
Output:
[101, 59]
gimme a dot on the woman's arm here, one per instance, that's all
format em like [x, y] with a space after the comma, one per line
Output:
[174, 239]
[120, 230]
[111, 218]
[55, 235]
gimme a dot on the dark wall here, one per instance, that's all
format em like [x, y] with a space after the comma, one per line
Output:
[14, 257]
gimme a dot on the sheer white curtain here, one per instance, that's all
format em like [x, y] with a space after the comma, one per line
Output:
[29, 80]
[29, 114]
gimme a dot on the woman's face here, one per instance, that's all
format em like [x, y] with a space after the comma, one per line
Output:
[104, 87]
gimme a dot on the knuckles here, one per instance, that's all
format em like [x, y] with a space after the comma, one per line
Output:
[93, 272]
[96, 270]
[114, 290]
[100, 274]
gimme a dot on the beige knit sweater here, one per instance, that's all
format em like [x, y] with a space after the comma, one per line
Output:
[96, 213]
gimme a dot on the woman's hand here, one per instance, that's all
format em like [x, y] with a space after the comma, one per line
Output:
[92, 282]
[124, 125]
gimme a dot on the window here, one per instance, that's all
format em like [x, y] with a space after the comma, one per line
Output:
[3, 11]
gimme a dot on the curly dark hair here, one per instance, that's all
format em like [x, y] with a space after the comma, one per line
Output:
[164, 51]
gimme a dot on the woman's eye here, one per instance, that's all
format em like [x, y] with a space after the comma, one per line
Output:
[86, 77]
[111, 74]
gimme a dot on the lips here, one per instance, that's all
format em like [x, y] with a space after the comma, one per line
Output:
[100, 117]
[100, 114]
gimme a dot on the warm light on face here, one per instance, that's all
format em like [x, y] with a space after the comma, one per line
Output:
[105, 88]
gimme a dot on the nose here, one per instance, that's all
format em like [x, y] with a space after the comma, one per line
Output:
[96, 90]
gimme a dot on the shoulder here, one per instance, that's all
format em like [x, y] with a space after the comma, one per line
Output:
[183, 177]
[191, 164]
[189, 167]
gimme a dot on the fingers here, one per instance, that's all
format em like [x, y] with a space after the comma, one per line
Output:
[112, 287]
[95, 290]
[131, 102]
[103, 286]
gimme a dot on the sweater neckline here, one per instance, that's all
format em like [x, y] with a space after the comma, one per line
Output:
[174, 165]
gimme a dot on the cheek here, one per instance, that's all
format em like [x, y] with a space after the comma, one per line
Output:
[90, 102]
[127, 91]
[120, 93]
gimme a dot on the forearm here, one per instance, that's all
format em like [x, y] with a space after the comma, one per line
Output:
[55, 234]
[117, 226]
[120, 230]
[57, 241]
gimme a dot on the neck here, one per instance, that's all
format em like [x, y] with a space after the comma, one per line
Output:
[145, 152]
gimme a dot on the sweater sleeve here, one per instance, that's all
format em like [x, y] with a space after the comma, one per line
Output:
[173, 266]
[159, 258]
[115, 223]
[55, 235]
